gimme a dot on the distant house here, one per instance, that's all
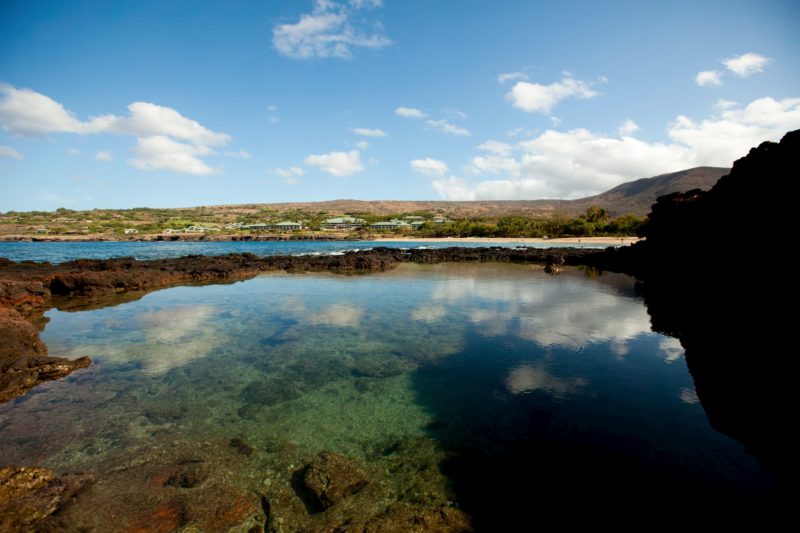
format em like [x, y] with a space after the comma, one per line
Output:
[340, 223]
[391, 225]
[414, 218]
[131, 231]
[258, 226]
[288, 225]
[440, 220]
[200, 229]
[170, 231]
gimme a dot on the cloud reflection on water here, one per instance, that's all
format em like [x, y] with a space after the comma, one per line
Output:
[527, 378]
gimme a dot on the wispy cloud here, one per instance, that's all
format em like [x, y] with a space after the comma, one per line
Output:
[369, 132]
[511, 76]
[445, 127]
[9, 152]
[104, 155]
[328, 31]
[409, 112]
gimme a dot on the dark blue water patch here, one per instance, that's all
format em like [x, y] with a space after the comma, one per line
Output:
[59, 252]
[581, 440]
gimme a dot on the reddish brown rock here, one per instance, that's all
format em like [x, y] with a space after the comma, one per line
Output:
[29, 495]
[330, 477]
[24, 362]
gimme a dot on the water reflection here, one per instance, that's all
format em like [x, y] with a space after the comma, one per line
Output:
[478, 379]
[527, 378]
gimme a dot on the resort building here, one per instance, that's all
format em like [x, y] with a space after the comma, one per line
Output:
[131, 231]
[286, 225]
[439, 220]
[391, 225]
[341, 223]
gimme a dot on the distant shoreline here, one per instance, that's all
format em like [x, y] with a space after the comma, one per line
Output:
[332, 237]
[521, 240]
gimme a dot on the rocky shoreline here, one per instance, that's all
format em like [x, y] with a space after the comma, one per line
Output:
[29, 289]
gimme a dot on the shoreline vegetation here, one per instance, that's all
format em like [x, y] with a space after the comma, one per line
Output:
[680, 264]
[213, 224]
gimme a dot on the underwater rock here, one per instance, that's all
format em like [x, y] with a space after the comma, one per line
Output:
[330, 477]
[28, 495]
[24, 362]
[401, 518]
[240, 446]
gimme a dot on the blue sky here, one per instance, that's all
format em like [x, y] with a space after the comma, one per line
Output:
[182, 103]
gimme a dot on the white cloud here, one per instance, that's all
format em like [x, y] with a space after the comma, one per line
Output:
[496, 147]
[746, 64]
[147, 120]
[708, 78]
[580, 163]
[628, 128]
[73, 152]
[555, 121]
[9, 152]
[538, 98]
[272, 108]
[429, 167]
[104, 155]
[241, 154]
[445, 127]
[337, 163]
[409, 112]
[368, 132]
[26, 112]
[328, 31]
[511, 76]
[162, 153]
[363, 145]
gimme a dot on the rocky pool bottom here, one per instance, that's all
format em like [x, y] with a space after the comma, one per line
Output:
[425, 398]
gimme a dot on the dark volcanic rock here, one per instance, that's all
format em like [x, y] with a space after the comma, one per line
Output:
[738, 344]
[330, 477]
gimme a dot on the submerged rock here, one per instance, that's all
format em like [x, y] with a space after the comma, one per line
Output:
[28, 495]
[331, 477]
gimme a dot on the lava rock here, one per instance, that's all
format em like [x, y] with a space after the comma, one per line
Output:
[331, 477]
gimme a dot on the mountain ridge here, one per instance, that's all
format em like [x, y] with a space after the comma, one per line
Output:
[633, 197]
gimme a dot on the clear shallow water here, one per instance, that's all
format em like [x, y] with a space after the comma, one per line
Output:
[513, 395]
[59, 252]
